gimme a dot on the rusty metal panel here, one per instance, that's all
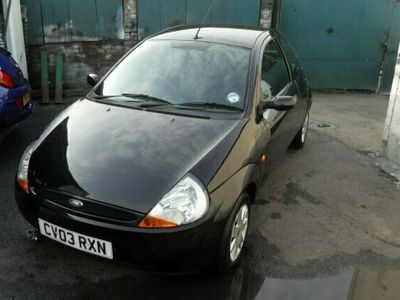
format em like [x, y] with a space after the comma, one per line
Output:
[224, 12]
[342, 43]
[392, 47]
[237, 12]
[35, 26]
[196, 10]
[83, 20]
[149, 17]
[248, 12]
[52, 21]
[110, 19]
[56, 27]
[173, 13]
[155, 15]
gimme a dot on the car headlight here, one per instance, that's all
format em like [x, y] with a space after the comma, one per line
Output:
[184, 204]
[22, 175]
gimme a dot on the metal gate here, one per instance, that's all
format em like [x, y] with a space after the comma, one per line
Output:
[154, 15]
[345, 44]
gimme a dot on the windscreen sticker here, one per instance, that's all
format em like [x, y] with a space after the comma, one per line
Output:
[233, 97]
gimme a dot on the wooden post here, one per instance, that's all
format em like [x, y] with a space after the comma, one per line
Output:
[59, 77]
[45, 77]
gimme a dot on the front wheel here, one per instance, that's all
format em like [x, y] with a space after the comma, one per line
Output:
[301, 136]
[235, 234]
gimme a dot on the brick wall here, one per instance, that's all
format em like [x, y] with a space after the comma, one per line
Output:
[82, 58]
[266, 13]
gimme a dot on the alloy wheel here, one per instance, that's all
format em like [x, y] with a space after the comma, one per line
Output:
[239, 232]
[304, 129]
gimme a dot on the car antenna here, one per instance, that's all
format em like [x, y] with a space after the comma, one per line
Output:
[196, 37]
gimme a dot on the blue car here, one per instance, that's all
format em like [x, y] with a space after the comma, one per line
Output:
[15, 102]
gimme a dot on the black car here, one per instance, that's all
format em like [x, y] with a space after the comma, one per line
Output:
[158, 165]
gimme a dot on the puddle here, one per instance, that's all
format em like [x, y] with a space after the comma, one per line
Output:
[352, 285]
[322, 125]
[245, 285]
[242, 284]
[336, 287]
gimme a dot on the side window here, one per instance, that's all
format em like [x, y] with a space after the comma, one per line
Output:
[274, 76]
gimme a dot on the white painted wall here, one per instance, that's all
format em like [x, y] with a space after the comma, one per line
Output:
[392, 125]
[15, 34]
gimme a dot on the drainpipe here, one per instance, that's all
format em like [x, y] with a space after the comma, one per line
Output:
[14, 33]
[391, 135]
[7, 17]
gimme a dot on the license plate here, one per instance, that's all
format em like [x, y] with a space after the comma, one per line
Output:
[25, 99]
[76, 240]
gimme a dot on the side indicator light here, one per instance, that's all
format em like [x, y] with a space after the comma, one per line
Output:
[24, 185]
[152, 222]
[264, 158]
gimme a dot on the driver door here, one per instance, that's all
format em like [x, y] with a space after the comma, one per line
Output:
[275, 80]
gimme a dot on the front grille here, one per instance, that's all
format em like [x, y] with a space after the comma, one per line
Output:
[90, 207]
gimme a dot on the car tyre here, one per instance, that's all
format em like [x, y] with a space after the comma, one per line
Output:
[301, 136]
[235, 233]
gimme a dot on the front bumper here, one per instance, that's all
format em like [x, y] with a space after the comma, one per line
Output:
[186, 249]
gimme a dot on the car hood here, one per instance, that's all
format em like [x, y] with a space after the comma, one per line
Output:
[125, 157]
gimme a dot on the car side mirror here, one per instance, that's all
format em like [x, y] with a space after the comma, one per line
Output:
[93, 79]
[281, 103]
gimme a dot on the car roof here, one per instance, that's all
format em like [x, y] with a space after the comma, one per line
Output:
[232, 35]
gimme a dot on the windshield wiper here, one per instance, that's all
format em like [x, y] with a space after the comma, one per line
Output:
[145, 97]
[95, 96]
[135, 97]
[212, 105]
[154, 101]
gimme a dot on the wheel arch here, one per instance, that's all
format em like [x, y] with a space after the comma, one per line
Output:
[251, 189]
[225, 196]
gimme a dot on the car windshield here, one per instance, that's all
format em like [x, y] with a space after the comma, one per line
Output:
[181, 73]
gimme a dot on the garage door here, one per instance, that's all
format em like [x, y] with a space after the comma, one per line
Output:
[344, 43]
[154, 15]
